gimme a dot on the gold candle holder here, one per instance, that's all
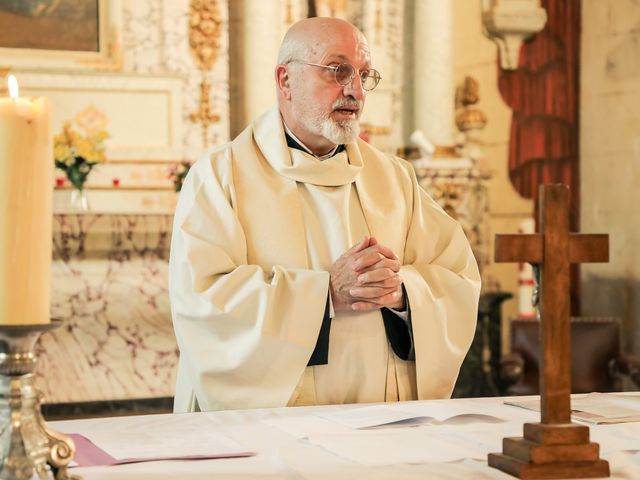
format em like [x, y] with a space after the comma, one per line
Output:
[27, 445]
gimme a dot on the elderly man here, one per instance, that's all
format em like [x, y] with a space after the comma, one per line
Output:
[307, 267]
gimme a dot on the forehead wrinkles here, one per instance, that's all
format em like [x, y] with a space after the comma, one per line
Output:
[330, 42]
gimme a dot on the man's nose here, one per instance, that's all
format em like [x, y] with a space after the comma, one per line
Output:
[354, 88]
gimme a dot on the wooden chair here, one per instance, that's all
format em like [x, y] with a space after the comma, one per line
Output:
[597, 362]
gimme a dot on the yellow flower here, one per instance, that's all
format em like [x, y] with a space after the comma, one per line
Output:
[84, 149]
[100, 136]
[60, 139]
[76, 153]
[61, 152]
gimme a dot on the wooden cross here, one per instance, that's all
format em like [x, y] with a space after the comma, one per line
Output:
[555, 447]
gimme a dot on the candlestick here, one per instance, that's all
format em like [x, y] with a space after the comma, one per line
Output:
[29, 446]
[26, 216]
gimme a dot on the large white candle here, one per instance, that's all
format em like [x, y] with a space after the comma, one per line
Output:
[26, 195]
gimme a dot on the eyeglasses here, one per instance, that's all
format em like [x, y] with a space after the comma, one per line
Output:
[345, 73]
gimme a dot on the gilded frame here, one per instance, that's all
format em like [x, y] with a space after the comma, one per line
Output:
[107, 58]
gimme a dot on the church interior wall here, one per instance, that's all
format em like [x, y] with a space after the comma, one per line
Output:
[610, 159]
[476, 55]
[124, 342]
[155, 43]
[156, 40]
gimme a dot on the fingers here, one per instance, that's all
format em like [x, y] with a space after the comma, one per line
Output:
[371, 293]
[390, 300]
[366, 277]
[379, 271]
[388, 283]
[376, 256]
[364, 306]
[367, 259]
[386, 277]
[387, 252]
[358, 247]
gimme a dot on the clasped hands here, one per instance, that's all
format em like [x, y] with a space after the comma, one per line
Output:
[366, 277]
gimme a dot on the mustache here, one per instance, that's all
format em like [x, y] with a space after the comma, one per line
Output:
[347, 102]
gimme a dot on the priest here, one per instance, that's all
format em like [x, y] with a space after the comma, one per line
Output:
[308, 267]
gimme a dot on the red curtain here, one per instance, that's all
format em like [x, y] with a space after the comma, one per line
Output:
[544, 95]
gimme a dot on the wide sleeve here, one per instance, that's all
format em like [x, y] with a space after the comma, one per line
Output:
[245, 334]
[442, 281]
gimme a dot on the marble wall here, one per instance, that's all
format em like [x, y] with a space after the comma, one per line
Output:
[109, 287]
[155, 39]
[610, 158]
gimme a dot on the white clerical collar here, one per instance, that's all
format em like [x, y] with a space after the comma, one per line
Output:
[306, 149]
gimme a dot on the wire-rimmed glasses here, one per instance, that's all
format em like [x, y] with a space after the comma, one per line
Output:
[345, 73]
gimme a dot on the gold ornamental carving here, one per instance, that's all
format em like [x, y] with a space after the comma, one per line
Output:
[378, 26]
[370, 129]
[469, 117]
[205, 28]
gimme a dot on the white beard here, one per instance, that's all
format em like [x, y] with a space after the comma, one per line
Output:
[336, 132]
[340, 132]
[320, 123]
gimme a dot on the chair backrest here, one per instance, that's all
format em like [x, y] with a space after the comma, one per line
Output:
[595, 342]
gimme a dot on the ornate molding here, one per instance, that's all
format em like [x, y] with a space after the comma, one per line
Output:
[205, 26]
[508, 23]
[371, 129]
[111, 61]
[468, 117]
[108, 56]
[445, 151]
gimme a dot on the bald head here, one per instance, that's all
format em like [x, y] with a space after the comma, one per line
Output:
[309, 36]
[318, 109]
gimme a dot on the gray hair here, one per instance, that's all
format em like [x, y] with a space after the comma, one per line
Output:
[292, 49]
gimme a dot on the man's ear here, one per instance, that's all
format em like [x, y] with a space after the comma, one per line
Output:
[283, 81]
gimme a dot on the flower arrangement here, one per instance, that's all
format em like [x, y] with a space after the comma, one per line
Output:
[77, 154]
[177, 174]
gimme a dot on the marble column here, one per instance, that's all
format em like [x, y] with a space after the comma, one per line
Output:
[256, 30]
[433, 71]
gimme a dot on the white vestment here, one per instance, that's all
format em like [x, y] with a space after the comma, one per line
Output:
[256, 229]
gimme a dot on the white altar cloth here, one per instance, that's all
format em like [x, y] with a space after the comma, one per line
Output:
[308, 443]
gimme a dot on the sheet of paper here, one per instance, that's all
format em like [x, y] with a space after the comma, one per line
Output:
[595, 408]
[600, 407]
[158, 437]
[304, 426]
[616, 437]
[447, 410]
[88, 454]
[371, 416]
[411, 414]
[419, 445]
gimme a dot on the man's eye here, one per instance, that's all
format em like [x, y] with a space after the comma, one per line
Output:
[364, 75]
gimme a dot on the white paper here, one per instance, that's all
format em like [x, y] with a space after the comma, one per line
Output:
[441, 443]
[594, 408]
[372, 416]
[304, 426]
[157, 436]
[411, 414]
[616, 437]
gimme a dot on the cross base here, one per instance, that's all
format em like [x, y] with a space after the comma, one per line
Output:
[551, 451]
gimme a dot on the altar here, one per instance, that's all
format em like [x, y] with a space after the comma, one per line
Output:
[316, 442]
[109, 286]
